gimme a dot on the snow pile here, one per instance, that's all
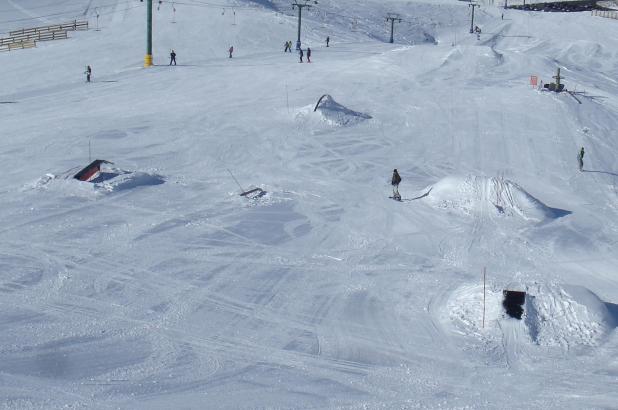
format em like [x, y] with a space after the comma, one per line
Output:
[333, 113]
[476, 193]
[464, 309]
[566, 315]
[106, 181]
[584, 53]
[554, 315]
[124, 180]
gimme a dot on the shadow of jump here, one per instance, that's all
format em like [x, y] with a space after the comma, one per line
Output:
[601, 172]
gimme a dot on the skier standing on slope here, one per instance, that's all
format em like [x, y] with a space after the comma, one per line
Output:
[290, 46]
[88, 73]
[287, 46]
[231, 50]
[327, 40]
[580, 159]
[301, 54]
[395, 181]
[172, 57]
[308, 55]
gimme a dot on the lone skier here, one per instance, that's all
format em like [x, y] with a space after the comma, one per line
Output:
[308, 55]
[88, 73]
[290, 46]
[231, 50]
[301, 54]
[580, 159]
[172, 57]
[327, 40]
[395, 181]
[287, 47]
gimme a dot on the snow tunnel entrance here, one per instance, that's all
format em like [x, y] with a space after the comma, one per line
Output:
[513, 303]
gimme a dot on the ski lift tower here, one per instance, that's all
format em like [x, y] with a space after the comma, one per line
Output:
[148, 57]
[473, 5]
[393, 18]
[300, 4]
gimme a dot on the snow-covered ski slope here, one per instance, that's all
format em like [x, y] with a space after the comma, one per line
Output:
[158, 287]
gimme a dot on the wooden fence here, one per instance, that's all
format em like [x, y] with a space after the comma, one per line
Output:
[41, 36]
[18, 45]
[70, 26]
[610, 14]
[28, 37]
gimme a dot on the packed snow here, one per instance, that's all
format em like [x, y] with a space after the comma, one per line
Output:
[157, 285]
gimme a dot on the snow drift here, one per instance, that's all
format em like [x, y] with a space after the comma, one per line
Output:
[476, 193]
[331, 112]
[566, 315]
[561, 315]
[106, 181]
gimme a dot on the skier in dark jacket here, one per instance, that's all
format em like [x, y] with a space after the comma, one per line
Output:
[287, 46]
[327, 40]
[301, 54]
[395, 181]
[88, 73]
[172, 57]
[308, 55]
[580, 159]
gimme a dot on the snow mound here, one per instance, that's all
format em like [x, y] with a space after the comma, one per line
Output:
[464, 309]
[584, 53]
[566, 315]
[118, 180]
[476, 193]
[106, 181]
[333, 113]
[554, 315]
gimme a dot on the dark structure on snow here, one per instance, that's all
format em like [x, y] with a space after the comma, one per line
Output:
[513, 303]
[91, 170]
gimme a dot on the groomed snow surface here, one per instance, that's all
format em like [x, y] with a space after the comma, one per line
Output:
[157, 286]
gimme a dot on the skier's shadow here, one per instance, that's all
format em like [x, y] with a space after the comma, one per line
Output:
[601, 172]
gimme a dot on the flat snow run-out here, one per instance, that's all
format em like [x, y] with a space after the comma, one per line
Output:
[157, 286]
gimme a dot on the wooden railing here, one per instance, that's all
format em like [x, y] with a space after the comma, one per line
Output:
[18, 45]
[28, 37]
[70, 26]
[40, 36]
[610, 14]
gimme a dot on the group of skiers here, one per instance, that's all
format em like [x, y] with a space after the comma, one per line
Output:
[301, 53]
[287, 48]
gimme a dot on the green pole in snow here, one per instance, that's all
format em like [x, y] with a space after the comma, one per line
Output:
[148, 57]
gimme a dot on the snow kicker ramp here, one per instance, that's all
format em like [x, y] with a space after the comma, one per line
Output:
[473, 193]
[329, 111]
[557, 317]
